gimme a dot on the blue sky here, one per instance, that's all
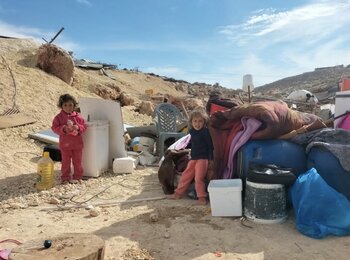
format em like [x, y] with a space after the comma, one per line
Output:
[212, 41]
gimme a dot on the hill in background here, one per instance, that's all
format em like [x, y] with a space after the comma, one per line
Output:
[323, 82]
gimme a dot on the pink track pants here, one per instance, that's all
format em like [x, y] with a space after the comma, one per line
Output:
[76, 157]
[196, 169]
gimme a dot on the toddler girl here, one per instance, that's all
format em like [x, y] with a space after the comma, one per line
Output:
[69, 125]
[201, 153]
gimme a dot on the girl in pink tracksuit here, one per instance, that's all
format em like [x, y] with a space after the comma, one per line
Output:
[69, 125]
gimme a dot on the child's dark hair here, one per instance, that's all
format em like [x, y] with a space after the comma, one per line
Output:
[198, 112]
[66, 98]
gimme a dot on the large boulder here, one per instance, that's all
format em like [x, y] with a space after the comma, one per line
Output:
[106, 92]
[146, 108]
[125, 99]
[56, 61]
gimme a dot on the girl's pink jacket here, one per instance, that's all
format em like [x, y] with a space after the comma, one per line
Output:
[68, 141]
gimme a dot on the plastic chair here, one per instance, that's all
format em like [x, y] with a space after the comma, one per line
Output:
[167, 117]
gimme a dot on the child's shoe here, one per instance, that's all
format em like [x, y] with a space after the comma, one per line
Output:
[177, 196]
[202, 201]
[64, 182]
[75, 181]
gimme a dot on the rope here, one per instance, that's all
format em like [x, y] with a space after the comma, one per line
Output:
[11, 240]
[13, 80]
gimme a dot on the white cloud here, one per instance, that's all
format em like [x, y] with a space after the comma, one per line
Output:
[290, 42]
[328, 54]
[84, 2]
[20, 31]
[37, 34]
[307, 22]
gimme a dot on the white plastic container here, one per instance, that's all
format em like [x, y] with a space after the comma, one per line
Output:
[123, 165]
[147, 144]
[342, 104]
[96, 148]
[135, 157]
[225, 197]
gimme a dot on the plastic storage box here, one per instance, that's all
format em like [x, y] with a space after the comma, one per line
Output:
[96, 148]
[123, 165]
[225, 197]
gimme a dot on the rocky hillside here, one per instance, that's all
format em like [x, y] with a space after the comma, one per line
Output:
[129, 87]
[323, 82]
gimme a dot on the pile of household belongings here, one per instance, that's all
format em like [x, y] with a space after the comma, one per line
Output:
[259, 120]
[232, 128]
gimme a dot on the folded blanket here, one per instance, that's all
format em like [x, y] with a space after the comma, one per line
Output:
[337, 141]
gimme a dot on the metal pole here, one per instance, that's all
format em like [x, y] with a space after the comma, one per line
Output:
[249, 93]
[56, 35]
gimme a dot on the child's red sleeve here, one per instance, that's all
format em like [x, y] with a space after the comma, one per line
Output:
[57, 127]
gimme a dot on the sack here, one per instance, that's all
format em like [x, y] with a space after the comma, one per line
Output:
[174, 163]
[319, 209]
[330, 169]
[270, 173]
[5, 253]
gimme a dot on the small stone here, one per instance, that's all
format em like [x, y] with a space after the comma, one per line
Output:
[166, 235]
[54, 201]
[154, 217]
[94, 212]
[59, 247]
[89, 206]
[33, 203]
[15, 205]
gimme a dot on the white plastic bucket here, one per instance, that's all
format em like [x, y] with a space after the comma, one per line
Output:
[265, 203]
[96, 148]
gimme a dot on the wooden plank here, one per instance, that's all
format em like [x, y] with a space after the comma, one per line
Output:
[15, 120]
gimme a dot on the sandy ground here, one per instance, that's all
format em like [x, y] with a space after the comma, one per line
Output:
[140, 223]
